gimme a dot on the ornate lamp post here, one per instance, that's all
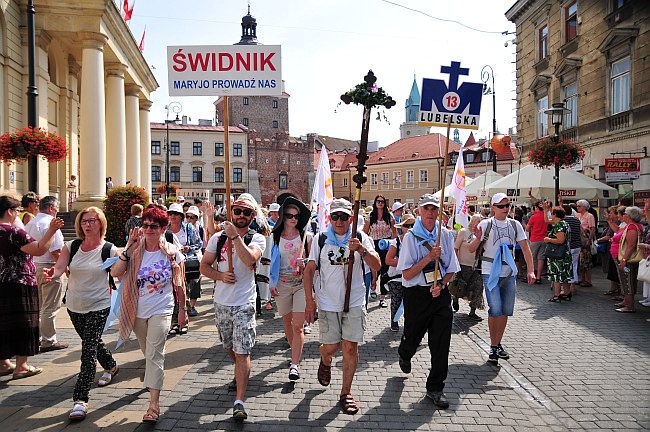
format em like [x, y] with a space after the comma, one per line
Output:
[487, 74]
[32, 92]
[175, 108]
[557, 113]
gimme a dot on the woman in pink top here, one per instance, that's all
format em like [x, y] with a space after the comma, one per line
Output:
[627, 268]
[588, 223]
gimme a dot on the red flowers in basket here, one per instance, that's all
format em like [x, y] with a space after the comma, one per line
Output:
[546, 153]
[30, 141]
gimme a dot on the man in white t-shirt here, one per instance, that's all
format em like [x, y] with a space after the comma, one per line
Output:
[499, 278]
[234, 291]
[339, 329]
[50, 293]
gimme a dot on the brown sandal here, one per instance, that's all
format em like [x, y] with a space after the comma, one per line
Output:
[151, 416]
[324, 374]
[348, 404]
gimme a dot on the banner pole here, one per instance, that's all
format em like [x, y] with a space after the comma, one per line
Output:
[226, 153]
[442, 196]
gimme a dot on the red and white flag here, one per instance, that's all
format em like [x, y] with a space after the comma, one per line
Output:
[127, 12]
[458, 191]
[323, 194]
[141, 46]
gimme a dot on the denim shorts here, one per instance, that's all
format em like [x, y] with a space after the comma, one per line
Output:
[501, 300]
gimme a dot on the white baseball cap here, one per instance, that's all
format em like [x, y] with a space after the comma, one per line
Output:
[497, 198]
[397, 205]
[274, 207]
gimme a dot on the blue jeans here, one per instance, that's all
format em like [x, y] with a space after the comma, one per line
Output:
[501, 300]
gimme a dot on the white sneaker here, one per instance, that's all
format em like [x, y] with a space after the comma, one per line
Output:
[306, 329]
[646, 303]
[644, 300]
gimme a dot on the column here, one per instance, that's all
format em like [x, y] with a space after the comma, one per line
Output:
[115, 124]
[92, 145]
[132, 134]
[145, 146]
[72, 113]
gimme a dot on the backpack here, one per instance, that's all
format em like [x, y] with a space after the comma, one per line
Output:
[480, 250]
[106, 254]
[321, 243]
[248, 237]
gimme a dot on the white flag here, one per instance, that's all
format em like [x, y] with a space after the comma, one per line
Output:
[458, 191]
[322, 193]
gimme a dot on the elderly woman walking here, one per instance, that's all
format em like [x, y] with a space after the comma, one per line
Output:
[154, 271]
[588, 223]
[560, 269]
[469, 272]
[629, 256]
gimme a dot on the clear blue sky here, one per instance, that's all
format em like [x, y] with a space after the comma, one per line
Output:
[328, 46]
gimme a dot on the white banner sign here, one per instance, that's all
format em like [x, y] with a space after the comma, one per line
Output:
[224, 70]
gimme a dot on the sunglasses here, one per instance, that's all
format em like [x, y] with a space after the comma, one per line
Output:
[88, 221]
[238, 211]
[502, 206]
[407, 226]
[175, 214]
[380, 202]
[189, 216]
[291, 216]
[343, 216]
[153, 226]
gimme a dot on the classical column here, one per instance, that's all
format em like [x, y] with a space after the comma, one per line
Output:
[72, 113]
[145, 146]
[115, 124]
[92, 173]
[132, 134]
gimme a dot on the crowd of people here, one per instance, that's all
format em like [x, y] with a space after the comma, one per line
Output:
[419, 255]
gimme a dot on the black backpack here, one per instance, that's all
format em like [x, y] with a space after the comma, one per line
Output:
[248, 237]
[321, 243]
[106, 254]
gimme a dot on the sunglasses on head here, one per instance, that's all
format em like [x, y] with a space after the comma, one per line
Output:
[336, 216]
[291, 216]
[237, 211]
[502, 206]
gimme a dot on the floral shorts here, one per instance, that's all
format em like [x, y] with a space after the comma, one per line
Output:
[236, 325]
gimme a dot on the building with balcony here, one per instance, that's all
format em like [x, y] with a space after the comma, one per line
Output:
[591, 55]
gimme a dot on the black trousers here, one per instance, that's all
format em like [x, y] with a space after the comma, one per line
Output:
[423, 313]
[384, 268]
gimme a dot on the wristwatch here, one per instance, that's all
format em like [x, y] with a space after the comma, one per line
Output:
[233, 237]
[364, 253]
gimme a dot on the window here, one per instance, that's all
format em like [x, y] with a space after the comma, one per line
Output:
[237, 150]
[197, 174]
[571, 22]
[197, 149]
[175, 174]
[156, 173]
[384, 178]
[373, 179]
[283, 181]
[453, 159]
[218, 175]
[218, 149]
[245, 101]
[469, 157]
[345, 181]
[620, 85]
[542, 42]
[155, 147]
[542, 117]
[410, 177]
[237, 175]
[571, 102]
[424, 176]
[175, 148]
[397, 177]
[245, 121]
[485, 156]
[274, 104]
[275, 124]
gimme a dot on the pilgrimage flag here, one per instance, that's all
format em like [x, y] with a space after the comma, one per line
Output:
[458, 191]
[141, 46]
[322, 193]
[127, 13]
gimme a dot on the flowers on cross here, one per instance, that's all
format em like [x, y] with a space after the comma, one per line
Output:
[30, 141]
[546, 153]
[369, 95]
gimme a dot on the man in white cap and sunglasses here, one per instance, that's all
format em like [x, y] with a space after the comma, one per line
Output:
[426, 271]
[330, 252]
[497, 237]
[234, 292]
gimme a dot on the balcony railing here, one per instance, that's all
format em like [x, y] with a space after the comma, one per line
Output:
[619, 121]
[570, 134]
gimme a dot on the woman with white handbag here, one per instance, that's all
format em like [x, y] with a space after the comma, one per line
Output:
[644, 265]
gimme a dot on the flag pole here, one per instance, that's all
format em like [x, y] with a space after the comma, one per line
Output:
[442, 196]
[226, 152]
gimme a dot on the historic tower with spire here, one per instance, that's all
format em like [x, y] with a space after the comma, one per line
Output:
[410, 127]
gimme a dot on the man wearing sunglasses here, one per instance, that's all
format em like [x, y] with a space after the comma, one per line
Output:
[427, 302]
[499, 269]
[234, 292]
[339, 329]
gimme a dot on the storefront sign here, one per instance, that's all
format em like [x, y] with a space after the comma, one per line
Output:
[640, 197]
[622, 169]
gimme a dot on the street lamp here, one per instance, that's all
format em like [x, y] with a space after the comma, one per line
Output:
[487, 74]
[175, 108]
[557, 113]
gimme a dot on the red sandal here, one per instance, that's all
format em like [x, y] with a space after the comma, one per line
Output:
[324, 374]
[348, 404]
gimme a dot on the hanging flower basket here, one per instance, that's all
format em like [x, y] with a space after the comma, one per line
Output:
[546, 153]
[172, 189]
[29, 141]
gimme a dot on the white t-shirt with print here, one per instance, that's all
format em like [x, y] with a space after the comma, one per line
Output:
[330, 289]
[88, 289]
[242, 292]
[289, 252]
[155, 289]
[501, 232]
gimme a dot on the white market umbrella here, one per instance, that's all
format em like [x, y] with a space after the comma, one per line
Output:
[475, 190]
[573, 185]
